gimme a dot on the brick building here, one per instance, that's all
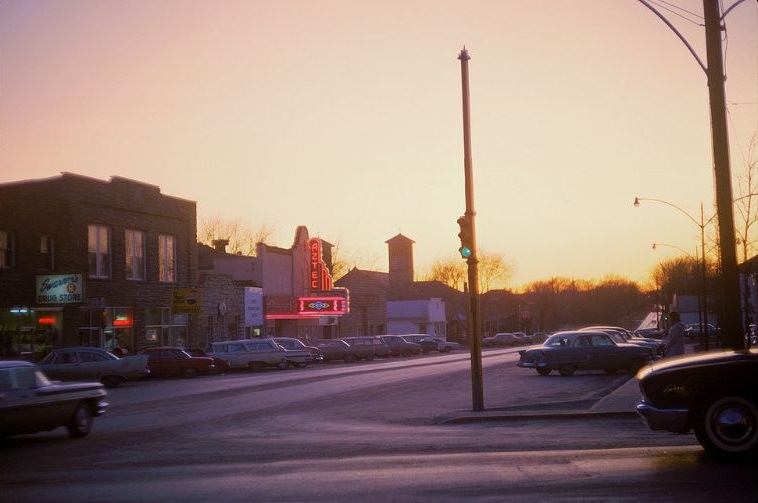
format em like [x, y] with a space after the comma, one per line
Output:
[91, 262]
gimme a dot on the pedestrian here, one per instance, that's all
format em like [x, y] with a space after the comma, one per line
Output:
[675, 339]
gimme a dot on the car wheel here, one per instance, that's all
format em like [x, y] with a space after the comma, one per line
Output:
[446, 350]
[544, 372]
[81, 422]
[283, 365]
[256, 366]
[110, 381]
[566, 370]
[728, 426]
[302, 365]
[349, 358]
[370, 357]
[189, 372]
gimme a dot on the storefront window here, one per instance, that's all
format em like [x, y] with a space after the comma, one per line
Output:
[28, 333]
[164, 329]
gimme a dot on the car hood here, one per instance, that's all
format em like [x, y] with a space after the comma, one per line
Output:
[710, 358]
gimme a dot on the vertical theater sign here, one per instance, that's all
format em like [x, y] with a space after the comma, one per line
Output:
[321, 301]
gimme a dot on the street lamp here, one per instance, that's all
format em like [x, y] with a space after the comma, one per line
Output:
[701, 224]
[715, 75]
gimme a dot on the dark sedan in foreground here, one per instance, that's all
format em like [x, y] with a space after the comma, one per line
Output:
[714, 394]
[30, 402]
[568, 352]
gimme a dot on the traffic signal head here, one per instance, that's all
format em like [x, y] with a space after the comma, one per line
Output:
[467, 237]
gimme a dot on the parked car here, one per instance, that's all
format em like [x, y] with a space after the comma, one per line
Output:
[502, 339]
[293, 344]
[381, 349]
[570, 351]
[337, 349]
[221, 365]
[651, 333]
[444, 346]
[619, 334]
[696, 330]
[32, 403]
[166, 361]
[93, 364]
[427, 342]
[714, 394]
[257, 354]
[401, 347]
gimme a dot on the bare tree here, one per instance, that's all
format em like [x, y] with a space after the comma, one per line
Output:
[452, 271]
[242, 239]
[747, 203]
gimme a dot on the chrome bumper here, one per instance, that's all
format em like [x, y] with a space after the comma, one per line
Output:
[675, 420]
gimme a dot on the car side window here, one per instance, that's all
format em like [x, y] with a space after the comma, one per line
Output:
[25, 378]
[6, 384]
[582, 341]
[599, 340]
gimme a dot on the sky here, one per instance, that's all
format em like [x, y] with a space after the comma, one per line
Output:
[345, 116]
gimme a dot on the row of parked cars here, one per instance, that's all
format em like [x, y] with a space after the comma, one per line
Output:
[33, 398]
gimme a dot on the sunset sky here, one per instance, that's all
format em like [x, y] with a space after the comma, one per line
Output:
[345, 116]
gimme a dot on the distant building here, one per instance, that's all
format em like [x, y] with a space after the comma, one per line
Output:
[394, 303]
[289, 289]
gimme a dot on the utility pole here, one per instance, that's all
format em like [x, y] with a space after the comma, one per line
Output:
[468, 247]
[731, 323]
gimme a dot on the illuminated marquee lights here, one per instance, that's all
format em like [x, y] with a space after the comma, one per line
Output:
[322, 306]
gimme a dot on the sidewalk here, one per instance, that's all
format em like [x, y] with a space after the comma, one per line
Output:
[621, 401]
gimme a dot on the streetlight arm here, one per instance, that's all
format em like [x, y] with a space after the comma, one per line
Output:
[676, 32]
[638, 199]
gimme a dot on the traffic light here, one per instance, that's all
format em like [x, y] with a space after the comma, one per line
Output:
[467, 237]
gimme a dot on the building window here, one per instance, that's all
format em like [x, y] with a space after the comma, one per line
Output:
[47, 251]
[135, 254]
[6, 250]
[166, 258]
[99, 251]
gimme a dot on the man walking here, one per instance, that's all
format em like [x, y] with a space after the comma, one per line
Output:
[675, 339]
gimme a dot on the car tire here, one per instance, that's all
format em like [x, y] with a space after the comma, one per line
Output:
[110, 381]
[728, 426]
[256, 366]
[566, 370]
[189, 372]
[302, 365]
[80, 423]
[445, 350]
[544, 372]
[349, 358]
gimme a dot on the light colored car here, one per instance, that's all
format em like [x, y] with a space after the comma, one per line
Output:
[93, 364]
[502, 339]
[292, 343]
[32, 403]
[444, 346]
[257, 354]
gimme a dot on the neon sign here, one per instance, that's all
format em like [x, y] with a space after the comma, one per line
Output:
[319, 279]
[322, 306]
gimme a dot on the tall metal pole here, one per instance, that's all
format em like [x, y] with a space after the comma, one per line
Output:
[731, 323]
[474, 322]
